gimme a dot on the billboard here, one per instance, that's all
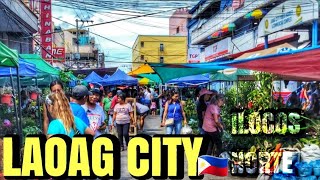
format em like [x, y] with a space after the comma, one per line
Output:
[288, 14]
[46, 30]
[218, 49]
[194, 55]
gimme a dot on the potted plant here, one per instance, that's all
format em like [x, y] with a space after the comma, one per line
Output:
[6, 95]
[34, 92]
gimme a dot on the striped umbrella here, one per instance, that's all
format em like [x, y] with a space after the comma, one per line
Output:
[216, 34]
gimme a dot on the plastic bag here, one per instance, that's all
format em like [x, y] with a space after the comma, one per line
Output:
[310, 153]
[304, 169]
[283, 177]
[308, 178]
[316, 167]
[186, 130]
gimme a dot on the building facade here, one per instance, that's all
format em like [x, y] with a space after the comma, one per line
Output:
[18, 26]
[79, 54]
[226, 30]
[178, 22]
[159, 49]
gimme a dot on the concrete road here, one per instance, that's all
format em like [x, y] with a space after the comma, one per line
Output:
[152, 127]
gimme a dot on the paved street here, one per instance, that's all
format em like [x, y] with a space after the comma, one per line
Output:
[152, 127]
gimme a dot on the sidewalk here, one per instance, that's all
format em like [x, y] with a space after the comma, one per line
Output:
[152, 127]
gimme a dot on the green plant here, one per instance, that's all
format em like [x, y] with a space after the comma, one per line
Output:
[31, 130]
[33, 89]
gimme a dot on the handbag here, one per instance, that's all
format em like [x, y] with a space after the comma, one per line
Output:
[170, 121]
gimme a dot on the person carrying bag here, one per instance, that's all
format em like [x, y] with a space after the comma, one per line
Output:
[173, 115]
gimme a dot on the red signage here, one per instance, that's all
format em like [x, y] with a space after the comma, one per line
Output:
[46, 29]
[59, 53]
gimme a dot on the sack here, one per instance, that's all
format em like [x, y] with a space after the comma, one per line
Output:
[310, 153]
[169, 122]
[186, 130]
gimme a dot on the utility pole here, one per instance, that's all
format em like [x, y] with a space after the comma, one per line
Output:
[78, 42]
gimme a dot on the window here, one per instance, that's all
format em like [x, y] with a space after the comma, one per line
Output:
[178, 30]
[142, 44]
[161, 59]
[142, 57]
[161, 47]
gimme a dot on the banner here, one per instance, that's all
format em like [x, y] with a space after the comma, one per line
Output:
[46, 29]
[288, 14]
[194, 55]
[218, 49]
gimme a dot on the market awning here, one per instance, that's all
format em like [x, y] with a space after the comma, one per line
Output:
[153, 77]
[8, 57]
[302, 63]
[145, 81]
[229, 74]
[144, 69]
[25, 69]
[272, 50]
[167, 72]
[40, 63]
[194, 79]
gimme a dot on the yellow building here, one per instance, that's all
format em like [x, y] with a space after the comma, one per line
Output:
[159, 49]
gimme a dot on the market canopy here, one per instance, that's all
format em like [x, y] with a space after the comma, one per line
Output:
[93, 78]
[302, 63]
[120, 78]
[229, 74]
[167, 72]
[8, 57]
[153, 77]
[145, 81]
[194, 79]
[143, 69]
[40, 63]
[25, 69]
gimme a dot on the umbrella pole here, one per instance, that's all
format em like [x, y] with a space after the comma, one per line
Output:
[14, 104]
[19, 106]
[38, 104]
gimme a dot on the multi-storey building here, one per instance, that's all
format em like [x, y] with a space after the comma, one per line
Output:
[159, 49]
[225, 30]
[178, 22]
[82, 53]
[18, 24]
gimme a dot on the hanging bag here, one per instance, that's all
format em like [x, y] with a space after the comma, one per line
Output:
[170, 121]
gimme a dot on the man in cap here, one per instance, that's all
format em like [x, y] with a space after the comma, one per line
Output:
[79, 97]
[95, 112]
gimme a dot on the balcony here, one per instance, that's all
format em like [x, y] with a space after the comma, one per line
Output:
[224, 17]
[202, 8]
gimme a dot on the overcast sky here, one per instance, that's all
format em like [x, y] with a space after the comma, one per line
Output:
[124, 32]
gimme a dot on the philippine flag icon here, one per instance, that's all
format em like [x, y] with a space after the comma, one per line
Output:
[212, 165]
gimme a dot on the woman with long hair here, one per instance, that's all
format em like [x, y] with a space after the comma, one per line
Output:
[174, 109]
[212, 124]
[55, 86]
[122, 115]
[64, 122]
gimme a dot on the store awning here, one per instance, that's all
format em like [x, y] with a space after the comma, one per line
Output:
[272, 50]
[144, 69]
[302, 63]
[8, 57]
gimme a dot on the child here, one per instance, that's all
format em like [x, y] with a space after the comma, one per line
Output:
[153, 107]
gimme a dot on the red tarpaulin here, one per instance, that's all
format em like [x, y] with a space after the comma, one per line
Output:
[301, 63]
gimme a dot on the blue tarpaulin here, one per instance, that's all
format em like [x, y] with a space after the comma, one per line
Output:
[25, 69]
[195, 79]
[93, 78]
[120, 78]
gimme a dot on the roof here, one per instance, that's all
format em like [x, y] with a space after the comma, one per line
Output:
[143, 69]
[196, 6]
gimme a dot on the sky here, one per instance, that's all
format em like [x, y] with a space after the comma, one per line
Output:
[124, 32]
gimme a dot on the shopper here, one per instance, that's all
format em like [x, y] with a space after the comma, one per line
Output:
[64, 122]
[204, 97]
[142, 112]
[95, 112]
[79, 97]
[174, 109]
[212, 124]
[55, 86]
[122, 115]
[106, 104]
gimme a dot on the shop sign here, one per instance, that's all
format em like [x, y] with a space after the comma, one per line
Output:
[58, 53]
[288, 14]
[46, 29]
[218, 49]
[194, 55]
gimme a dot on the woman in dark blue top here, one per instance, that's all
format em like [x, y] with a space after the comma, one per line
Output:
[174, 109]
